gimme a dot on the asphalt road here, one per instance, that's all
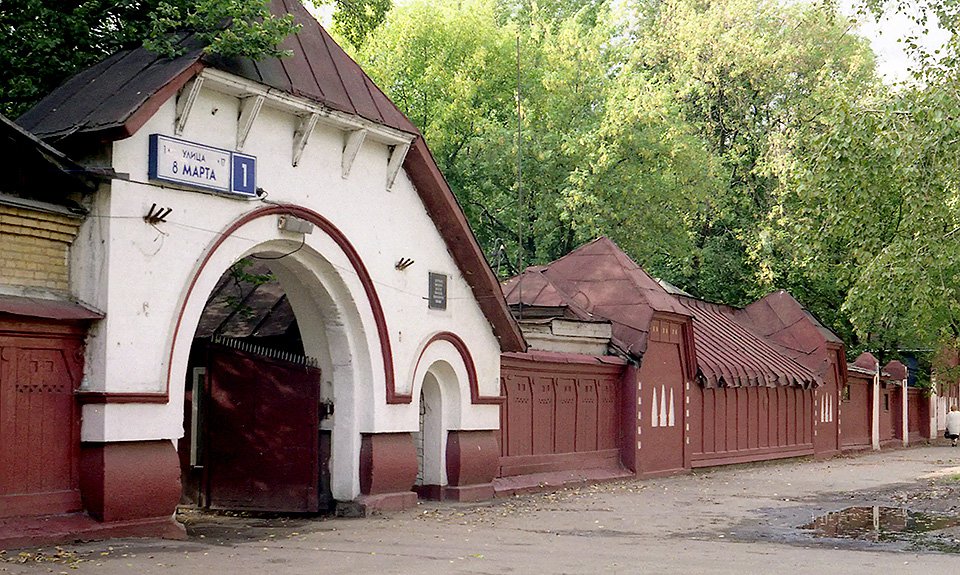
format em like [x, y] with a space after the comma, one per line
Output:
[744, 519]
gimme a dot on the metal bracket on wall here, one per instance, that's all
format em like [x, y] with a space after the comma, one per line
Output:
[156, 215]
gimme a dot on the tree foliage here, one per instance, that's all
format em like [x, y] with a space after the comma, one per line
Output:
[661, 123]
[731, 147]
[869, 198]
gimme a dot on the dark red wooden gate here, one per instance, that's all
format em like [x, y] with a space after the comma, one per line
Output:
[263, 436]
[40, 368]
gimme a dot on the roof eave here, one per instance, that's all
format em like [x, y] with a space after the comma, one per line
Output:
[445, 211]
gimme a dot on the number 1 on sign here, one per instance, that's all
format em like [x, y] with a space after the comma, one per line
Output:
[244, 178]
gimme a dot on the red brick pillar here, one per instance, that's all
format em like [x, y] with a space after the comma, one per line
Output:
[472, 461]
[388, 470]
[132, 487]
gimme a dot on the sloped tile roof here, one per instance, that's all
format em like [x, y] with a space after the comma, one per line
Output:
[601, 281]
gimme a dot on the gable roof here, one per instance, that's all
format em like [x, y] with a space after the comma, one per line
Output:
[598, 279]
[730, 354]
[114, 98]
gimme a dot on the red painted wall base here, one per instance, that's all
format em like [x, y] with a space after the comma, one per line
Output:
[473, 458]
[388, 470]
[467, 493]
[129, 481]
[386, 502]
[129, 489]
[18, 532]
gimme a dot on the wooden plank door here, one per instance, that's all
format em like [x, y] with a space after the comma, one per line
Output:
[263, 434]
[39, 426]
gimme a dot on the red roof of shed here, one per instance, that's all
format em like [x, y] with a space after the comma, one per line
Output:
[730, 354]
[114, 98]
[789, 326]
[601, 280]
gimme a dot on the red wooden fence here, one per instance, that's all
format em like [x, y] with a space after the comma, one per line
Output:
[918, 414]
[855, 420]
[558, 416]
[40, 368]
[735, 425]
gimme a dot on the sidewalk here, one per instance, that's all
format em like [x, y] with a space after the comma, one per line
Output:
[728, 520]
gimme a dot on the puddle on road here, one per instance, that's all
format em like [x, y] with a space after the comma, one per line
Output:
[885, 524]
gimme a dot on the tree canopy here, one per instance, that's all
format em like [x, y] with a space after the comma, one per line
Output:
[663, 124]
[731, 147]
[872, 189]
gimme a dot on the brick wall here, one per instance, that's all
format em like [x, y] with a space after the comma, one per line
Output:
[35, 248]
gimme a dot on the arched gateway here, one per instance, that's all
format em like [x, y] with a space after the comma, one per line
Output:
[304, 164]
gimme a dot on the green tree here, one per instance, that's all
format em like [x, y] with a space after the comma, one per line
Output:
[873, 192]
[43, 42]
[744, 74]
[657, 122]
[452, 68]
[594, 155]
[869, 197]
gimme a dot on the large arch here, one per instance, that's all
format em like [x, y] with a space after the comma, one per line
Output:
[336, 306]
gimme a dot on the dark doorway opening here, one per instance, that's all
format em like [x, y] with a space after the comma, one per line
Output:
[253, 437]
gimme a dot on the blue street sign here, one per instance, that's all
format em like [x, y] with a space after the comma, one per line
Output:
[201, 167]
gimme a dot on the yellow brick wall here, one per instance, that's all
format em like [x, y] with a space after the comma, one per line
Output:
[35, 248]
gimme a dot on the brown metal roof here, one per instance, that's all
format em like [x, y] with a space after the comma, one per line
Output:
[107, 98]
[785, 323]
[729, 354]
[34, 169]
[46, 308]
[601, 280]
[114, 98]
[110, 96]
[532, 288]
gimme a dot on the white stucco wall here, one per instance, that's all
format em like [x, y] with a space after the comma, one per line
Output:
[139, 274]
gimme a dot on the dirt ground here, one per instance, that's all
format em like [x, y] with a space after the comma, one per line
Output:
[898, 512]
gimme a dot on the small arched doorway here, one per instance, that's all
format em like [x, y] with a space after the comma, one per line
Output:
[257, 429]
[437, 406]
[431, 439]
